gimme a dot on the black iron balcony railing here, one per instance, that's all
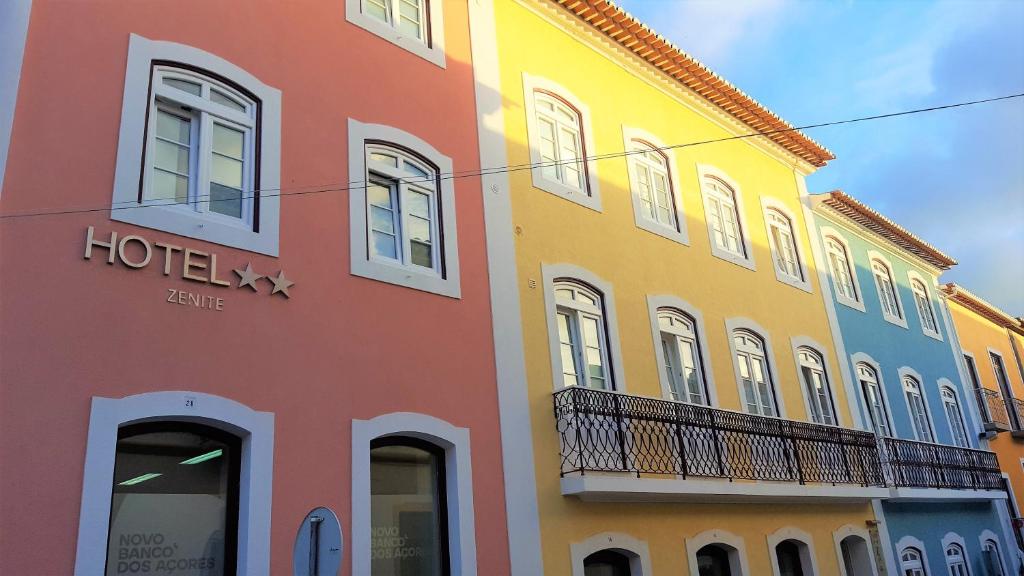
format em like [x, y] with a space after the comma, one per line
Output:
[1018, 409]
[924, 465]
[993, 409]
[611, 432]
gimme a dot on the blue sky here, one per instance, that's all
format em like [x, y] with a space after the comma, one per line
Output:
[956, 177]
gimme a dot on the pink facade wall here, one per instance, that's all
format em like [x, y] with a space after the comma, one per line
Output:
[341, 348]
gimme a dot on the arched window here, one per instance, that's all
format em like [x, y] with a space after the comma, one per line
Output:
[782, 241]
[606, 563]
[918, 409]
[886, 289]
[408, 17]
[911, 563]
[752, 366]
[955, 417]
[683, 365]
[924, 306]
[789, 555]
[581, 335]
[819, 395]
[873, 399]
[856, 556]
[178, 482]
[955, 562]
[408, 505]
[652, 184]
[839, 266]
[723, 216]
[713, 560]
[992, 559]
[560, 140]
[402, 208]
[201, 145]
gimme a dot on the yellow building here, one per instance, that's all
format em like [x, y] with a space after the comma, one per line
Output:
[993, 343]
[671, 402]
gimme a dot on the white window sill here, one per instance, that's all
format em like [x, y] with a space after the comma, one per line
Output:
[932, 335]
[433, 54]
[564, 192]
[733, 258]
[662, 230]
[794, 282]
[406, 276]
[855, 304]
[901, 322]
[196, 225]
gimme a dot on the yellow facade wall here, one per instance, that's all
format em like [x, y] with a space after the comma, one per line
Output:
[978, 336]
[533, 37]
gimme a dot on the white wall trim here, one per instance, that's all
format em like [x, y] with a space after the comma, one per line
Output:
[947, 383]
[551, 272]
[629, 135]
[362, 263]
[256, 430]
[797, 342]
[884, 538]
[14, 18]
[899, 321]
[732, 543]
[636, 550]
[986, 535]
[859, 357]
[929, 291]
[977, 421]
[433, 53]
[591, 197]
[911, 542]
[808, 561]
[732, 324]
[804, 282]
[828, 231]
[922, 384]
[667, 301]
[846, 531]
[459, 483]
[954, 538]
[515, 421]
[703, 172]
[130, 144]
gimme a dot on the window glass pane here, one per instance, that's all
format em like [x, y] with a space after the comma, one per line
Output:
[422, 254]
[378, 9]
[418, 204]
[174, 502]
[223, 99]
[382, 219]
[385, 245]
[226, 171]
[379, 195]
[416, 170]
[407, 522]
[225, 200]
[185, 85]
[384, 159]
[419, 229]
[171, 157]
[228, 141]
[173, 127]
[167, 186]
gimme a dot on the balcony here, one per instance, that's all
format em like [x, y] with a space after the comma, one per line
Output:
[922, 470]
[993, 410]
[1018, 411]
[618, 447]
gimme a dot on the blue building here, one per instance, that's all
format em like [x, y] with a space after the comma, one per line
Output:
[946, 513]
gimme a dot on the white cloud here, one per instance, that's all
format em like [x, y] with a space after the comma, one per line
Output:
[712, 30]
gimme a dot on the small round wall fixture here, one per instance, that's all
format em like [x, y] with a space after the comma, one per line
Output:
[318, 545]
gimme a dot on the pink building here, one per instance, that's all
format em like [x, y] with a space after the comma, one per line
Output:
[240, 283]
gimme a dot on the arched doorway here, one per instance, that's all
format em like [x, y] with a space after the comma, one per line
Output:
[788, 554]
[713, 560]
[856, 556]
[606, 563]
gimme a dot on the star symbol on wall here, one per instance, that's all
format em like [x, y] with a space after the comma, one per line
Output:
[281, 284]
[248, 277]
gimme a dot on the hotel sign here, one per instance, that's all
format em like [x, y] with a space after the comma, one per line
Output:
[194, 265]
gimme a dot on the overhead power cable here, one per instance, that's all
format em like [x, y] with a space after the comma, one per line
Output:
[362, 184]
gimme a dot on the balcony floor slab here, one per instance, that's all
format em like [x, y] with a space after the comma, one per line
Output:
[620, 488]
[944, 495]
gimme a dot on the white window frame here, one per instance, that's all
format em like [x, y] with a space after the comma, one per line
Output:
[553, 272]
[455, 442]
[590, 196]
[385, 270]
[987, 536]
[951, 539]
[808, 560]
[576, 313]
[256, 430]
[901, 319]
[733, 544]
[856, 303]
[862, 358]
[914, 277]
[631, 139]
[734, 324]
[430, 48]
[129, 169]
[746, 259]
[798, 344]
[802, 280]
[654, 305]
[636, 550]
[907, 372]
[947, 386]
[846, 531]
